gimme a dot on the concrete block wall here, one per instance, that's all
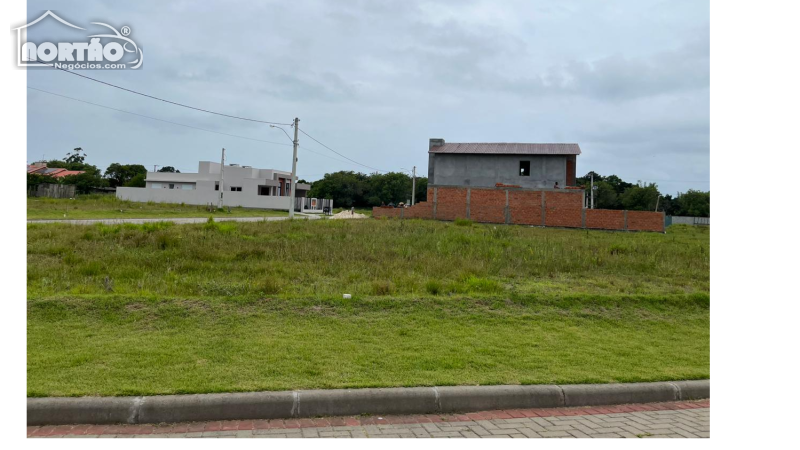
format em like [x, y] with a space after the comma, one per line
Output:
[544, 207]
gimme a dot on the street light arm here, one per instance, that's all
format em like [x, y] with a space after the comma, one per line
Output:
[284, 132]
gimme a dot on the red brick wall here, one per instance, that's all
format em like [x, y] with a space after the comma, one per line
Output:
[645, 221]
[378, 211]
[486, 205]
[525, 207]
[607, 219]
[571, 170]
[562, 209]
[451, 203]
[422, 210]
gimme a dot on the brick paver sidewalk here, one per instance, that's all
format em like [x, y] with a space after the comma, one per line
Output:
[652, 420]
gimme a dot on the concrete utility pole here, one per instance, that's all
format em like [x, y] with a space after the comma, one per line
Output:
[592, 189]
[413, 184]
[221, 179]
[294, 170]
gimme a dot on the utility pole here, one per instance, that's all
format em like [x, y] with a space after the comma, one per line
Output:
[154, 167]
[221, 179]
[592, 189]
[657, 199]
[294, 170]
[413, 184]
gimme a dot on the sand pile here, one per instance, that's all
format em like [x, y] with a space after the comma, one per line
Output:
[348, 215]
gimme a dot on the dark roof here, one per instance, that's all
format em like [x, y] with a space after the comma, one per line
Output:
[502, 148]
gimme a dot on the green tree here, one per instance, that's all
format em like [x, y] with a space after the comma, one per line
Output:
[693, 203]
[84, 182]
[75, 160]
[35, 179]
[605, 196]
[137, 181]
[640, 198]
[169, 169]
[346, 188]
[76, 156]
[392, 187]
[422, 189]
[119, 174]
[617, 183]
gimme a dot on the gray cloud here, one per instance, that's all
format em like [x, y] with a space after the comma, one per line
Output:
[628, 80]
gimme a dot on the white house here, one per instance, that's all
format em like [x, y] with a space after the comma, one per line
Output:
[241, 186]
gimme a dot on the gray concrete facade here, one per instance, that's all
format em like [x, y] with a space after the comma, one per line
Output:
[486, 170]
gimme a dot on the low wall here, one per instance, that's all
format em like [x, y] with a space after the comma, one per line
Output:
[542, 207]
[688, 220]
[202, 197]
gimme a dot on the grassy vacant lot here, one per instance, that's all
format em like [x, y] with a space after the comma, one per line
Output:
[99, 206]
[159, 308]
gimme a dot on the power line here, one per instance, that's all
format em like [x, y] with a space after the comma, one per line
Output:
[207, 111]
[153, 118]
[161, 99]
[343, 156]
[180, 124]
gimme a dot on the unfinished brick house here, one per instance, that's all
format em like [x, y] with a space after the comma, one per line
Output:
[525, 184]
[486, 164]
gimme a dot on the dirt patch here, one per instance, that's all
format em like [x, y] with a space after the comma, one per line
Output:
[349, 215]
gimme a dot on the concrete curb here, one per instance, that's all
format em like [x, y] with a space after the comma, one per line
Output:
[347, 402]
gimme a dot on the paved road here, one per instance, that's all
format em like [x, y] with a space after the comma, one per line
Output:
[653, 420]
[181, 220]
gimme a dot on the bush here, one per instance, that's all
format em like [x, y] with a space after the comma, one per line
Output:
[434, 287]
[463, 223]
[35, 179]
[85, 182]
[382, 287]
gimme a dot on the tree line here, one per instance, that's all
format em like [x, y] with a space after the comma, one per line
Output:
[115, 175]
[613, 193]
[348, 188]
[356, 189]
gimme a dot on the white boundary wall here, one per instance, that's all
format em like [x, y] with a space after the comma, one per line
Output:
[202, 197]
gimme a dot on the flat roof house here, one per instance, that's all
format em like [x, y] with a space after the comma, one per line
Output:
[487, 164]
[244, 186]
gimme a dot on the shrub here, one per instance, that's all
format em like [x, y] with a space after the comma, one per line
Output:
[434, 287]
[618, 249]
[382, 287]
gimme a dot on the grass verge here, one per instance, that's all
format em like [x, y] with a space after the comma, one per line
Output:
[104, 206]
[217, 307]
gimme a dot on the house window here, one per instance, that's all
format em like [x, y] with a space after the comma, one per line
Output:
[236, 189]
[524, 168]
[172, 185]
[156, 186]
[263, 190]
[216, 185]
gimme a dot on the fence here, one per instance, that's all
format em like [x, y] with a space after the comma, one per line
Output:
[543, 207]
[52, 190]
[688, 220]
[313, 205]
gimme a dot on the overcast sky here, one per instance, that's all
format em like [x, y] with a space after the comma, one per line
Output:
[626, 80]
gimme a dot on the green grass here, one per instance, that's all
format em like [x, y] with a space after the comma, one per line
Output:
[161, 308]
[100, 206]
